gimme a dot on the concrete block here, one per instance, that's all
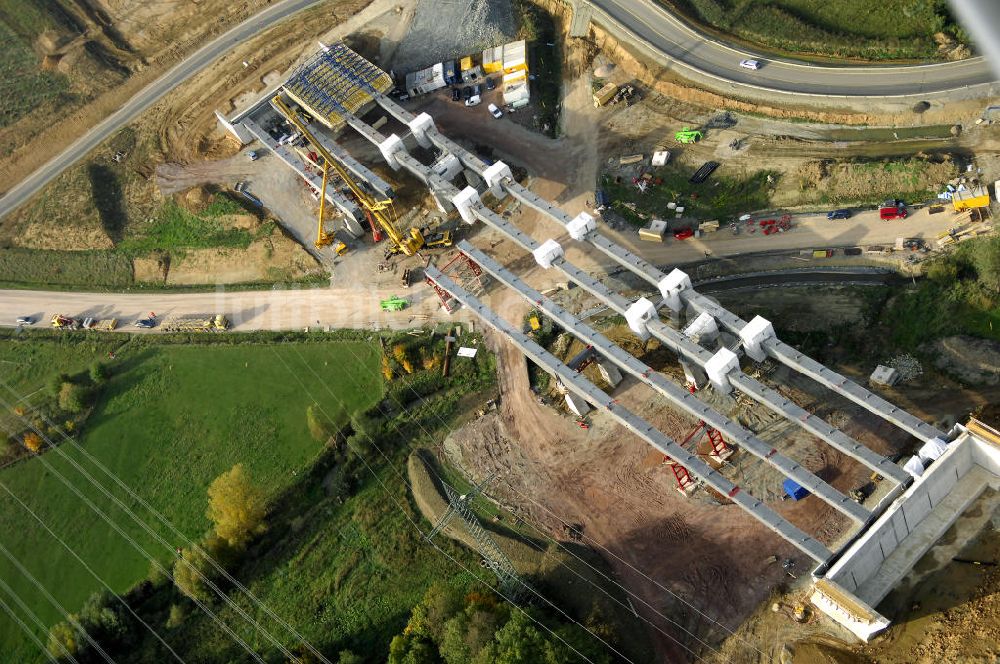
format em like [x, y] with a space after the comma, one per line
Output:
[638, 315]
[577, 405]
[718, 368]
[985, 454]
[419, 126]
[494, 175]
[581, 225]
[671, 286]
[549, 251]
[754, 334]
[693, 374]
[239, 132]
[389, 147]
[865, 563]
[703, 329]
[610, 373]
[464, 201]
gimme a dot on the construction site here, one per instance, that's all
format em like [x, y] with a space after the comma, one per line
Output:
[755, 503]
[758, 448]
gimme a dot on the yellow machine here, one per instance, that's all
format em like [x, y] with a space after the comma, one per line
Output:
[404, 244]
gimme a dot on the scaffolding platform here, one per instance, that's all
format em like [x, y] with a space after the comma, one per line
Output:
[335, 82]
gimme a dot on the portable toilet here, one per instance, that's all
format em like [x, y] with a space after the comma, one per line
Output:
[794, 490]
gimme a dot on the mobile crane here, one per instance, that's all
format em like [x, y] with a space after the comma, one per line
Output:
[406, 244]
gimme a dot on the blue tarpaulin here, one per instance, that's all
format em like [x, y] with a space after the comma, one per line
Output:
[794, 490]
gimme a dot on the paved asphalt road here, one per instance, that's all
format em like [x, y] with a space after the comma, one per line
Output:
[147, 97]
[679, 43]
[247, 310]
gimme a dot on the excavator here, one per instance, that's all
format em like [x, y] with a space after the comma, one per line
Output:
[407, 244]
[686, 135]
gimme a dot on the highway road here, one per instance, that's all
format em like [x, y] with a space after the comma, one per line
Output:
[681, 47]
[148, 96]
[247, 310]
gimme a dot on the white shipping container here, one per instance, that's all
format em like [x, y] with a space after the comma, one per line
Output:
[515, 77]
[516, 62]
[514, 49]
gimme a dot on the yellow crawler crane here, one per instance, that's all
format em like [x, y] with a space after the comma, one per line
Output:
[401, 243]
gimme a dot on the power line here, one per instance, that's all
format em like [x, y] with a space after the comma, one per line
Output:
[414, 523]
[194, 545]
[159, 566]
[52, 600]
[515, 578]
[89, 569]
[35, 619]
[142, 524]
[622, 587]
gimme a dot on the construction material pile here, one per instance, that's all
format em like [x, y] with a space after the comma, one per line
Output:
[440, 30]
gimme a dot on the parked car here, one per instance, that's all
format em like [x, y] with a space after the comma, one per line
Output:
[477, 90]
[750, 64]
[490, 83]
[839, 214]
[473, 100]
[146, 323]
[494, 111]
[25, 320]
[252, 155]
[456, 94]
[467, 92]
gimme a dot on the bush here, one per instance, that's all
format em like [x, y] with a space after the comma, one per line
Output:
[56, 383]
[72, 397]
[177, 615]
[99, 372]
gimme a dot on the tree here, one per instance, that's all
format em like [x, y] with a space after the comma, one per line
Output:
[33, 442]
[348, 657]
[62, 641]
[176, 617]
[236, 507]
[517, 642]
[72, 397]
[99, 372]
[411, 649]
[56, 382]
[192, 571]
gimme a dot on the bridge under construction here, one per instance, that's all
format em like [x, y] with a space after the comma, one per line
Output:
[715, 349]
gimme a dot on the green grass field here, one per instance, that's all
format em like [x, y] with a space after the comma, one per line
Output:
[892, 29]
[169, 421]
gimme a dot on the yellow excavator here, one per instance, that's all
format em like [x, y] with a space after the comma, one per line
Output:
[380, 210]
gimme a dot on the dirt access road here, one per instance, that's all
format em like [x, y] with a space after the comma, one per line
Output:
[356, 307]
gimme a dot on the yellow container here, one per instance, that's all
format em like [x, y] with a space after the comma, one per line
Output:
[466, 63]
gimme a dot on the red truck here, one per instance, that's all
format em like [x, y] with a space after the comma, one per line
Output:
[892, 211]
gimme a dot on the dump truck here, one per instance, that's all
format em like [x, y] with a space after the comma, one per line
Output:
[102, 324]
[394, 303]
[61, 322]
[217, 323]
[708, 226]
[605, 94]
[968, 199]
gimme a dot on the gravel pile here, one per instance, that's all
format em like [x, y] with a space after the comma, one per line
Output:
[449, 29]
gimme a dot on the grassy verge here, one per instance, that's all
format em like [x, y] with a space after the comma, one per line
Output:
[177, 229]
[24, 86]
[43, 268]
[719, 196]
[169, 420]
[891, 30]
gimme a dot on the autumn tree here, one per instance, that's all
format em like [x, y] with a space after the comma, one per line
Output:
[192, 573]
[236, 507]
[33, 441]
